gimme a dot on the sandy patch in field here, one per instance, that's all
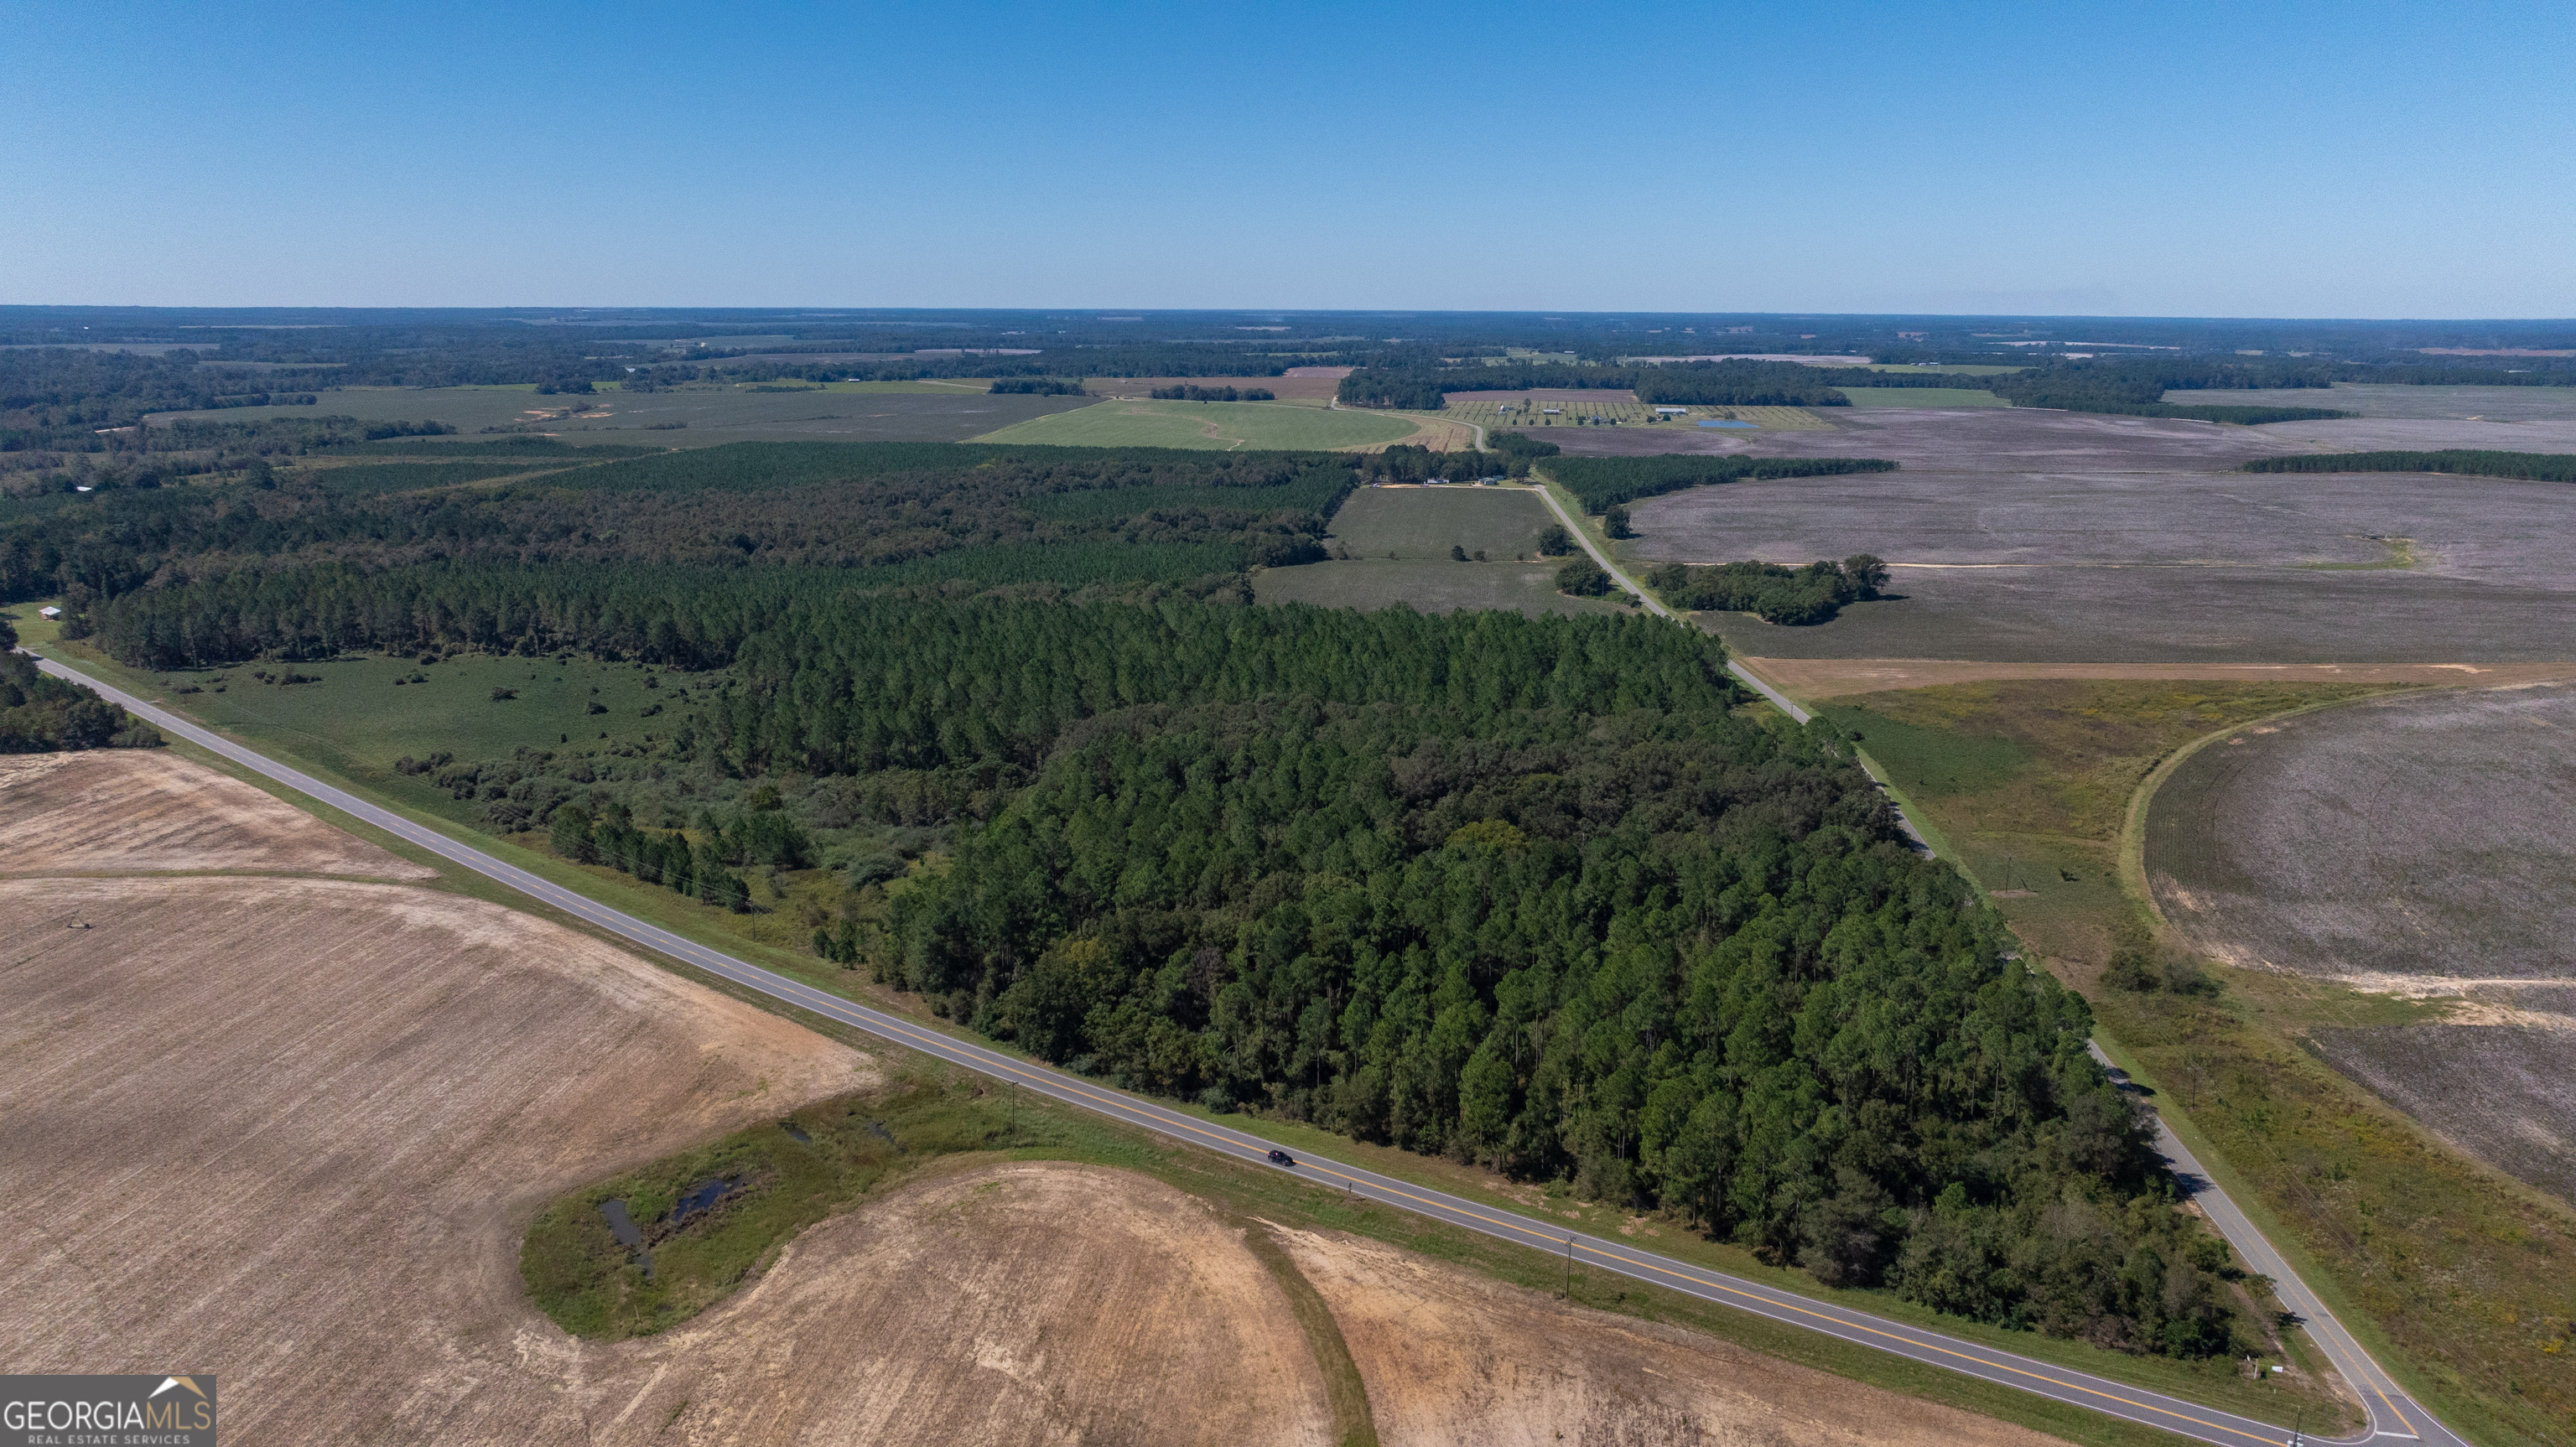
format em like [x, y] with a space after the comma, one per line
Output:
[1832, 677]
[291, 1131]
[1024, 1303]
[1450, 1357]
[111, 811]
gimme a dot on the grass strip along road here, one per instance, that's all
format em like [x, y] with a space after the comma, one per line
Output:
[2062, 1384]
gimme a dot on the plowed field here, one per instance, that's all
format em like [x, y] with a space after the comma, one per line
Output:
[130, 811]
[1449, 1356]
[291, 1131]
[1022, 1303]
[2413, 846]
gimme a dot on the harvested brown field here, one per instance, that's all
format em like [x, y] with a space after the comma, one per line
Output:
[1027, 1302]
[132, 811]
[1834, 677]
[291, 1131]
[2029, 536]
[1449, 1356]
[2413, 847]
[1315, 391]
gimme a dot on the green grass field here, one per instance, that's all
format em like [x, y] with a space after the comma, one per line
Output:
[1217, 426]
[1922, 397]
[1398, 540]
[1425, 522]
[1425, 585]
[358, 720]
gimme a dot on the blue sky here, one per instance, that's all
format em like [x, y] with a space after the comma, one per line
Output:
[2279, 160]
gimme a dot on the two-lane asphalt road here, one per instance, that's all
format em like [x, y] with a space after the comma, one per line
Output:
[2081, 1389]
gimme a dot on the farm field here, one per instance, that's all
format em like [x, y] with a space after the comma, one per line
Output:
[120, 811]
[2051, 537]
[1426, 522]
[999, 1302]
[2493, 404]
[2414, 847]
[354, 716]
[1449, 1356]
[1922, 397]
[1398, 540]
[1432, 587]
[1809, 678]
[1219, 426]
[2029, 785]
[688, 416]
[295, 1126]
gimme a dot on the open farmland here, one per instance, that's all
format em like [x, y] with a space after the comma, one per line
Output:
[2491, 404]
[1026, 1302]
[353, 716]
[1813, 678]
[1449, 1356]
[2034, 536]
[2416, 847]
[131, 810]
[1397, 542]
[689, 416]
[1220, 426]
[1922, 397]
[294, 1127]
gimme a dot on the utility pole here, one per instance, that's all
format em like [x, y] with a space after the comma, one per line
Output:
[1015, 1111]
[1569, 1268]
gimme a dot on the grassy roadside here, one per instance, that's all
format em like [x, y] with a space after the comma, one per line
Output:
[2459, 1279]
[2205, 1382]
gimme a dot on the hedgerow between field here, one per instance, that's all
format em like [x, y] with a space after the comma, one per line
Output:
[2539, 466]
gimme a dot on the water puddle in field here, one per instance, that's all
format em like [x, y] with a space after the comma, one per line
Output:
[622, 1226]
[799, 1136]
[703, 1196]
[1730, 424]
[879, 1127]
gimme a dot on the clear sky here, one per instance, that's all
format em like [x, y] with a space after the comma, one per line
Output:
[2347, 159]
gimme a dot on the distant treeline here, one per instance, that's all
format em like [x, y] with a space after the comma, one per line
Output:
[1421, 464]
[2539, 466]
[1187, 392]
[2133, 386]
[1039, 386]
[1736, 384]
[1773, 592]
[905, 513]
[1604, 482]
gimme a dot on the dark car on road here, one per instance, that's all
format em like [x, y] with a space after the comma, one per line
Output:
[1282, 1158]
